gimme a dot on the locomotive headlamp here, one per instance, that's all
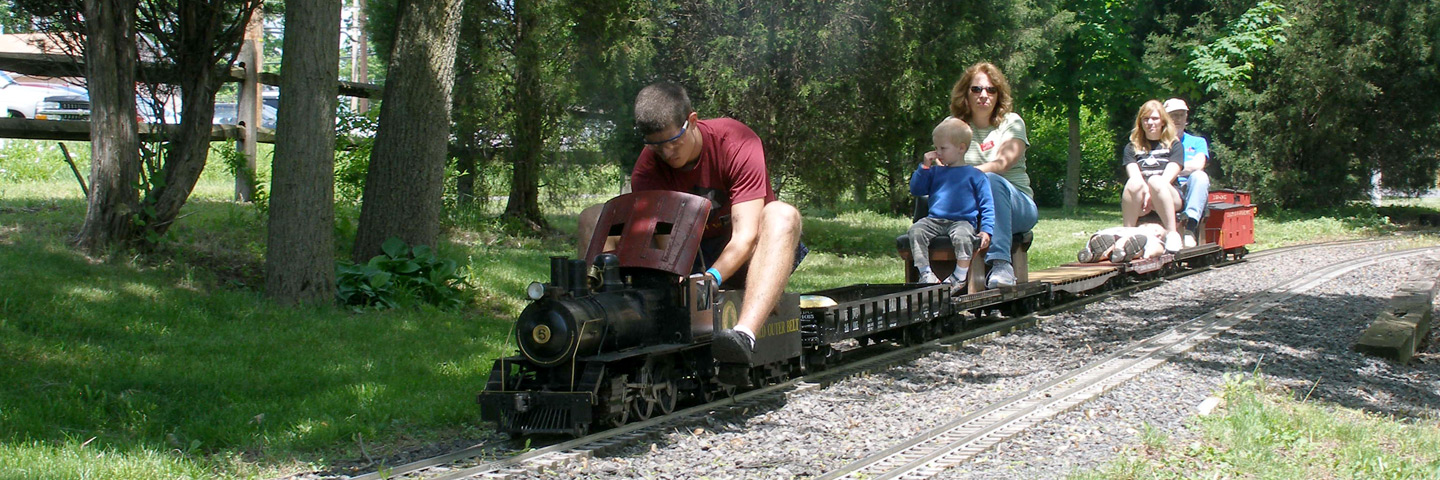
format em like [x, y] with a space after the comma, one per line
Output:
[535, 290]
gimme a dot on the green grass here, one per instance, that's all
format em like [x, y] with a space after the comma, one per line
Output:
[138, 359]
[1263, 434]
[173, 365]
[76, 459]
[24, 160]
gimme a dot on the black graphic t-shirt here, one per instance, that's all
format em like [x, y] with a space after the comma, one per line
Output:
[1153, 161]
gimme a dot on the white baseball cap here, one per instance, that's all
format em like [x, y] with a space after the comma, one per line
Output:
[1175, 104]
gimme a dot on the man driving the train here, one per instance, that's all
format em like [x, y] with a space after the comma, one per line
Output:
[751, 239]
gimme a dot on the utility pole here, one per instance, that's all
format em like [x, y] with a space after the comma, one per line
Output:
[360, 58]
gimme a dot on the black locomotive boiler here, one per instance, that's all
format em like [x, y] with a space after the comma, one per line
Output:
[625, 333]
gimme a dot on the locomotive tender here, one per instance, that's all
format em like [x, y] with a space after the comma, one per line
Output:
[624, 334]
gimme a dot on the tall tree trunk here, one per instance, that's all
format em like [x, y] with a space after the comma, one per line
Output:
[529, 135]
[204, 41]
[115, 142]
[188, 150]
[407, 166]
[300, 252]
[1072, 161]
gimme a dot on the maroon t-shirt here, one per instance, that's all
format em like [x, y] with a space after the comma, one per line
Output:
[731, 170]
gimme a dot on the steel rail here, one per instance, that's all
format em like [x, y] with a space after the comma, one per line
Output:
[962, 439]
[471, 462]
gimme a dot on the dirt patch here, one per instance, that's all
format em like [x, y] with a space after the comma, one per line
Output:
[222, 268]
[7, 234]
[14, 210]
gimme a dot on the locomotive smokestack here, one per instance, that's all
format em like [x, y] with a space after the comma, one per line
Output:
[578, 286]
[559, 275]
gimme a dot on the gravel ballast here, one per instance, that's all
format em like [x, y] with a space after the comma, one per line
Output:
[1301, 344]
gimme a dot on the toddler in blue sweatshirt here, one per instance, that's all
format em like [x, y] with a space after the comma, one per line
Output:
[960, 202]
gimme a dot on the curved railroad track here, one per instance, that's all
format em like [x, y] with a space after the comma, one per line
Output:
[933, 451]
[481, 461]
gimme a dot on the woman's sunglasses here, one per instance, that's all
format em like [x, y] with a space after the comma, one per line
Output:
[978, 89]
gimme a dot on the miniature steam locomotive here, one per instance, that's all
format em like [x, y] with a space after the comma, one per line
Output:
[624, 334]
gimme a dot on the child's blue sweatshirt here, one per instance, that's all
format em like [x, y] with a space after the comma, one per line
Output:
[957, 193]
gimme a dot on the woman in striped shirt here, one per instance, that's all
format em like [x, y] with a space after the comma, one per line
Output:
[1152, 160]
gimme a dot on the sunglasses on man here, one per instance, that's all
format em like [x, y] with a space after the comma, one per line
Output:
[671, 139]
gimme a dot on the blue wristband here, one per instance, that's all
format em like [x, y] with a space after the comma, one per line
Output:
[716, 273]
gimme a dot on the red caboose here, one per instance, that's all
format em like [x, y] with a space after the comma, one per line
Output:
[1230, 222]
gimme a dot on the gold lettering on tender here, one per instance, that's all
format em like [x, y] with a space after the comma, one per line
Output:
[779, 328]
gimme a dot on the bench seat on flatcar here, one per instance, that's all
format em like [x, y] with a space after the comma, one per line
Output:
[942, 254]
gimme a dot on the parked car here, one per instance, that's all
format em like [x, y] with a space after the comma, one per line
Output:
[148, 114]
[21, 100]
[77, 107]
[226, 114]
[65, 107]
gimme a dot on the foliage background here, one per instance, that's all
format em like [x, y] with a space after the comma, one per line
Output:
[1301, 99]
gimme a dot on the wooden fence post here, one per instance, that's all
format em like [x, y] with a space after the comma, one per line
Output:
[248, 106]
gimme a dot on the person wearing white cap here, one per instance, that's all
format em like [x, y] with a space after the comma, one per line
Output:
[1194, 182]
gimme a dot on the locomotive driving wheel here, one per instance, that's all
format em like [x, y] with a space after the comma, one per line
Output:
[642, 406]
[667, 395]
[640, 396]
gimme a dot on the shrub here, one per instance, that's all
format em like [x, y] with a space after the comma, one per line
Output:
[235, 166]
[402, 276]
[354, 139]
[1100, 176]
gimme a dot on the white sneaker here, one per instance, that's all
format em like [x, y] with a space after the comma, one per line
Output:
[1189, 241]
[1132, 248]
[929, 277]
[1173, 242]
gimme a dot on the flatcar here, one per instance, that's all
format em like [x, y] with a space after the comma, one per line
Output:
[624, 334]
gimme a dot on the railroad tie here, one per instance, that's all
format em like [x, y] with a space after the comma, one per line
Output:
[1404, 323]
